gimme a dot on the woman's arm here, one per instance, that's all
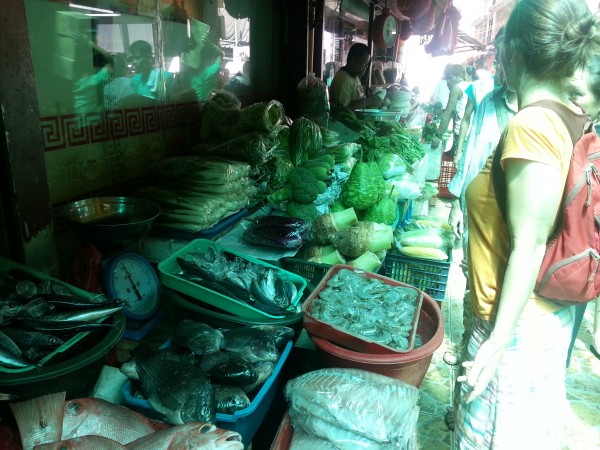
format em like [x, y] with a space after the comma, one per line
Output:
[534, 192]
[464, 130]
[455, 94]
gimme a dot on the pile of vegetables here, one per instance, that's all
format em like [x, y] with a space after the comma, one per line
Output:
[196, 193]
[425, 237]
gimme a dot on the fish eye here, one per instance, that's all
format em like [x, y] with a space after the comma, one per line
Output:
[73, 408]
[206, 428]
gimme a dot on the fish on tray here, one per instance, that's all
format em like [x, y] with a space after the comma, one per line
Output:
[252, 343]
[39, 419]
[90, 442]
[234, 370]
[198, 337]
[230, 275]
[264, 370]
[181, 392]
[229, 399]
[85, 416]
[130, 367]
[193, 435]
[33, 344]
[11, 355]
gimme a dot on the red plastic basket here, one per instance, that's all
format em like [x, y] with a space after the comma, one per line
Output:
[447, 172]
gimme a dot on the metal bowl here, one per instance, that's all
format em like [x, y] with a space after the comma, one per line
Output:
[112, 219]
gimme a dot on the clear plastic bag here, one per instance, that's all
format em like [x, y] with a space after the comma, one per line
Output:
[313, 96]
[368, 407]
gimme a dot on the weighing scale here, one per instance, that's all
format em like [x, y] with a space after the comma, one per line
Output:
[101, 264]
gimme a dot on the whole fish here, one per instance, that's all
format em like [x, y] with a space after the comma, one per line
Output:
[10, 354]
[193, 435]
[28, 339]
[198, 337]
[130, 367]
[229, 399]
[10, 307]
[72, 302]
[61, 328]
[85, 416]
[280, 333]
[85, 314]
[179, 391]
[254, 344]
[263, 370]
[90, 442]
[39, 419]
[234, 371]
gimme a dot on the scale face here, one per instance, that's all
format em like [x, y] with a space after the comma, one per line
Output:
[129, 277]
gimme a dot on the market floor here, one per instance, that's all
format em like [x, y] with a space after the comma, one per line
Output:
[582, 427]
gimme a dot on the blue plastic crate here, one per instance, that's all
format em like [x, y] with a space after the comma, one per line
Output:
[245, 421]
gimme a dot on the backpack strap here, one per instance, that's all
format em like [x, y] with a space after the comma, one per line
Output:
[576, 125]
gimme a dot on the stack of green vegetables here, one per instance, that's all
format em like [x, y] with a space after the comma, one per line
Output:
[196, 193]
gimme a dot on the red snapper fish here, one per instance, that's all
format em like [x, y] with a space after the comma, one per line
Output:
[190, 436]
[39, 419]
[85, 416]
[90, 442]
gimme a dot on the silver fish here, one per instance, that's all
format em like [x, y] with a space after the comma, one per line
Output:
[90, 442]
[85, 314]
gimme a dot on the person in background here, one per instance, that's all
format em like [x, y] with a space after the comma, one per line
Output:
[512, 394]
[489, 120]
[455, 108]
[148, 81]
[475, 93]
[471, 74]
[441, 92]
[390, 75]
[346, 88]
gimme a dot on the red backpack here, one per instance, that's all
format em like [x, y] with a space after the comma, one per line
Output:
[569, 270]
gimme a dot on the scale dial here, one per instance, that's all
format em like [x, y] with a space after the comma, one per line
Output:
[130, 277]
[385, 29]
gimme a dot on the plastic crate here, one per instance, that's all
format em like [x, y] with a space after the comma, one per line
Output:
[447, 172]
[428, 275]
[245, 421]
[170, 272]
[312, 272]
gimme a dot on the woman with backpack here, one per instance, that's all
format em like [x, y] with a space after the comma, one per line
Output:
[513, 389]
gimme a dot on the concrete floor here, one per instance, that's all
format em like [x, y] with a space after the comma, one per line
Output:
[582, 427]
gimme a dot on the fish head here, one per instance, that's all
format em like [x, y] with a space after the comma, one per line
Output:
[78, 411]
[208, 436]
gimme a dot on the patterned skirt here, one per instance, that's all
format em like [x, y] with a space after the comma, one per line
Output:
[523, 405]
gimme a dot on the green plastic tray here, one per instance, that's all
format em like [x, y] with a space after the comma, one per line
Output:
[7, 264]
[169, 275]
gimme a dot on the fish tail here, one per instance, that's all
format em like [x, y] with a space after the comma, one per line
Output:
[40, 419]
[6, 397]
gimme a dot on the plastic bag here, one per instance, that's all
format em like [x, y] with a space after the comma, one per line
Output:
[405, 187]
[221, 109]
[262, 116]
[391, 165]
[313, 96]
[371, 406]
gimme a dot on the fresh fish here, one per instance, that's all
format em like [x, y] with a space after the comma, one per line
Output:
[85, 416]
[280, 334]
[193, 435]
[85, 314]
[130, 367]
[264, 371]
[39, 419]
[61, 328]
[90, 442]
[254, 344]
[35, 308]
[265, 295]
[229, 399]
[11, 355]
[198, 337]
[179, 391]
[28, 339]
[26, 288]
[234, 371]
[72, 302]
[10, 307]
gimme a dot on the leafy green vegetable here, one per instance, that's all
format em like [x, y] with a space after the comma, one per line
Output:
[305, 185]
[304, 211]
[362, 189]
[305, 140]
